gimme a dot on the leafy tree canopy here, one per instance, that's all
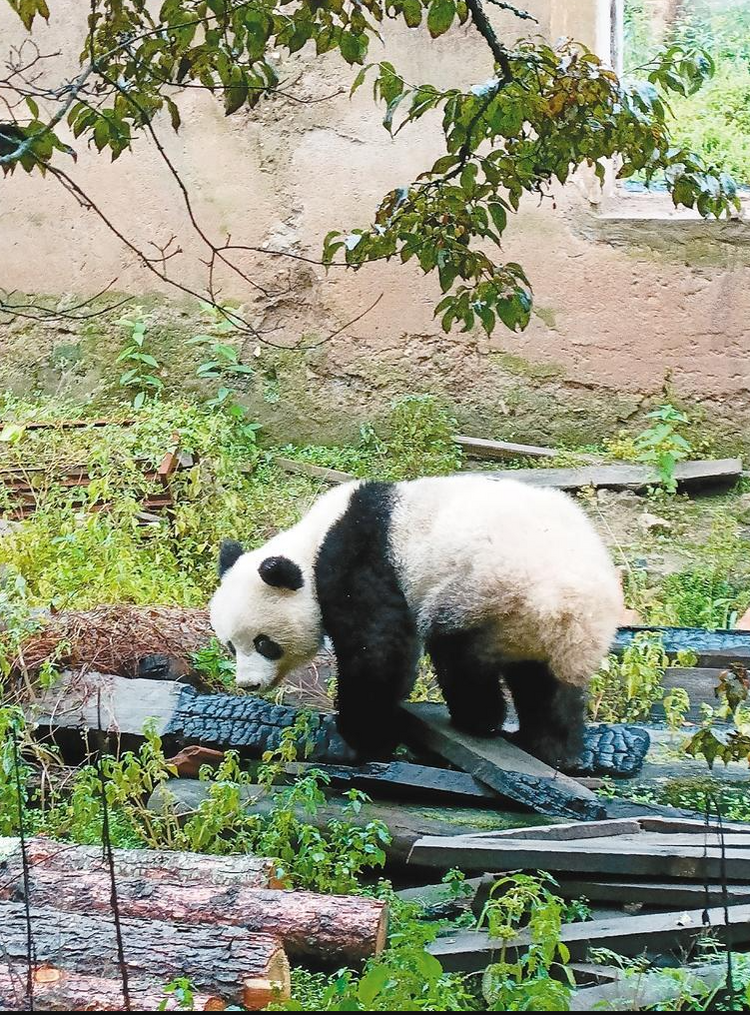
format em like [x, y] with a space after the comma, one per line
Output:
[542, 112]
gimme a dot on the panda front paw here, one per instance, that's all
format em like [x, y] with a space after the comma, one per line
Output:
[369, 741]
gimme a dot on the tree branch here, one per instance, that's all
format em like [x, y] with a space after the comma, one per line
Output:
[481, 23]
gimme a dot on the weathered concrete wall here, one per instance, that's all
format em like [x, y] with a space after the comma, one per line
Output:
[623, 303]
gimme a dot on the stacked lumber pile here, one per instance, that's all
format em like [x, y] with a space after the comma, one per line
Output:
[221, 921]
[657, 886]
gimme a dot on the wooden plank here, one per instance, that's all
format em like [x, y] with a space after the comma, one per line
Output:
[479, 447]
[510, 771]
[401, 778]
[689, 475]
[580, 857]
[650, 823]
[472, 951]
[314, 471]
[445, 901]
[661, 894]
[714, 649]
[700, 682]
[563, 832]
[630, 991]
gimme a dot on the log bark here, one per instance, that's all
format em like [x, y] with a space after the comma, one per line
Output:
[689, 475]
[155, 864]
[327, 928]
[238, 967]
[61, 990]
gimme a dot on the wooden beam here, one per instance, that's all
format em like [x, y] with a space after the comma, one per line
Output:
[510, 771]
[655, 894]
[401, 778]
[473, 951]
[313, 471]
[583, 856]
[479, 447]
[626, 476]
[714, 649]
[631, 991]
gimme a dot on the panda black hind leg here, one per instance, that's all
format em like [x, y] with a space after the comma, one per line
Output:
[551, 714]
[470, 682]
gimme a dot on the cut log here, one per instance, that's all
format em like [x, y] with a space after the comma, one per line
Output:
[689, 475]
[401, 778]
[327, 928]
[78, 701]
[510, 771]
[714, 649]
[228, 962]
[314, 471]
[472, 951]
[154, 864]
[406, 823]
[582, 856]
[61, 990]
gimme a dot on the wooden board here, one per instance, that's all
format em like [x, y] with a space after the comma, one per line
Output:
[314, 471]
[630, 991]
[700, 682]
[582, 856]
[494, 761]
[472, 951]
[714, 649]
[479, 447]
[654, 894]
[689, 475]
[401, 778]
[565, 832]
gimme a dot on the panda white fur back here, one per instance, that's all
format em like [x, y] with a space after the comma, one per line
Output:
[494, 578]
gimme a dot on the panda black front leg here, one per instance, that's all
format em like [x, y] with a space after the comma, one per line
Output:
[551, 714]
[470, 683]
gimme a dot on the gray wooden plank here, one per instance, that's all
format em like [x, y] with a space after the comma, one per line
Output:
[510, 771]
[314, 471]
[662, 894]
[658, 824]
[689, 475]
[564, 832]
[630, 991]
[483, 448]
[583, 856]
[472, 951]
[401, 777]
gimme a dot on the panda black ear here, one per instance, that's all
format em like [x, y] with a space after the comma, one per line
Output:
[229, 553]
[281, 573]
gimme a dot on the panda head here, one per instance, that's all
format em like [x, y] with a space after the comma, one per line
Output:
[266, 613]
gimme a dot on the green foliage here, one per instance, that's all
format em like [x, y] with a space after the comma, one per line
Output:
[625, 688]
[142, 374]
[213, 663]
[415, 438]
[729, 741]
[702, 597]
[181, 990]
[663, 445]
[223, 360]
[525, 982]
[714, 121]
[542, 112]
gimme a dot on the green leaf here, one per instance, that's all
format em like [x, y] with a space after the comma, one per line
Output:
[235, 95]
[372, 984]
[440, 16]
[413, 13]
[139, 400]
[499, 216]
[32, 106]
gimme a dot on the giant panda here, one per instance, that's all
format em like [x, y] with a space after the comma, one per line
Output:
[501, 582]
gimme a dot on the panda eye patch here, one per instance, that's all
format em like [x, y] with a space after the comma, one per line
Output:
[232, 649]
[268, 648]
